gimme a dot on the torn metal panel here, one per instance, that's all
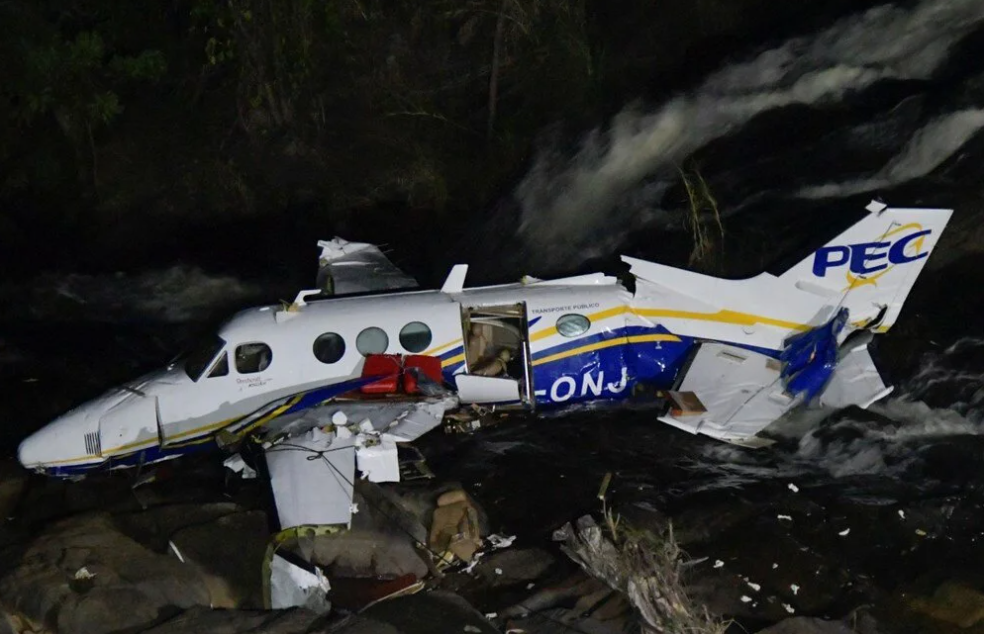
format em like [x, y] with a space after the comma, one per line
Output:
[312, 477]
[856, 381]
[347, 267]
[740, 390]
[297, 584]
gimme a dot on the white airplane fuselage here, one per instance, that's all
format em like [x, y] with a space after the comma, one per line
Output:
[571, 340]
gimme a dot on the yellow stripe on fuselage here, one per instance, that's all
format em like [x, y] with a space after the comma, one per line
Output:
[722, 316]
[453, 360]
[442, 347]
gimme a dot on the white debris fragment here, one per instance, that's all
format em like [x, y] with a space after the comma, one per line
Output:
[793, 488]
[500, 541]
[472, 628]
[177, 553]
[530, 586]
[788, 518]
[901, 514]
[845, 532]
[236, 464]
[789, 608]
[498, 571]
[491, 615]
[774, 565]
[921, 532]
[754, 586]
[354, 508]
[470, 568]
[83, 573]
[718, 564]
[746, 599]
[795, 588]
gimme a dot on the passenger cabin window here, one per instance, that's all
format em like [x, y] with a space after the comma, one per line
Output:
[221, 367]
[329, 347]
[372, 340]
[198, 359]
[415, 336]
[572, 325]
[253, 357]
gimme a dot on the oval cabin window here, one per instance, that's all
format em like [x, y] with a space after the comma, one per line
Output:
[415, 336]
[573, 325]
[329, 347]
[372, 340]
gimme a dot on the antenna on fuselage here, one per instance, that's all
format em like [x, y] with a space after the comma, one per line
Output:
[456, 279]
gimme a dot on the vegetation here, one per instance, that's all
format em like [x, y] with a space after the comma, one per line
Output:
[702, 209]
[116, 115]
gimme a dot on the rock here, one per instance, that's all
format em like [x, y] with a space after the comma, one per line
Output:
[155, 526]
[426, 613]
[807, 625]
[228, 553]
[365, 553]
[514, 566]
[201, 620]
[13, 480]
[82, 575]
[954, 603]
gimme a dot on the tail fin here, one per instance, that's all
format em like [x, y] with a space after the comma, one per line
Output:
[873, 265]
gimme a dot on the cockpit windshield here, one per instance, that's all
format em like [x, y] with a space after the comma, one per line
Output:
[200, 357]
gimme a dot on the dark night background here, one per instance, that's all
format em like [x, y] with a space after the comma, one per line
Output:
[163, 163]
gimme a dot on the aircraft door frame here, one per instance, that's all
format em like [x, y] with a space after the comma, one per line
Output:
[506, 322]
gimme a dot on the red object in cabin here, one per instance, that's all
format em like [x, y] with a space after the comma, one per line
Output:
[387, 366]
[424, 364]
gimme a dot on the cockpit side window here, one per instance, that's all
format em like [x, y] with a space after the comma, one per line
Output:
[201, 356]
[220, 367]
[253, 357]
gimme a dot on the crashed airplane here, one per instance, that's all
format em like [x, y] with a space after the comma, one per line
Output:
[328, 385]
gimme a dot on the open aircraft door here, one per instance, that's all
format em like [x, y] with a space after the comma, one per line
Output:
[497, 356]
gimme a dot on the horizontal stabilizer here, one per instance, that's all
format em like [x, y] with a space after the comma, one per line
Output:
[741, 392]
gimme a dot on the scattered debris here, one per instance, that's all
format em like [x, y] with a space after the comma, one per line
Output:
[499, 541]
[297, 583]
[788, 608]
[901, 514]
[177, 553]
[845, 532]
[921, 532]
[472, 628]
[718, 564]
[746, 599]
[646, 567]
[788, 518]
[793, 488]
[754, 586]
[491, 615]
[83, 573]
[795, 588]
[498, 571]
[774, 565]
[236, 464]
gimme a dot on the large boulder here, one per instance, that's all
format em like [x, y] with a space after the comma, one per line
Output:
[200, 620]
[82, 575]
[228, 553]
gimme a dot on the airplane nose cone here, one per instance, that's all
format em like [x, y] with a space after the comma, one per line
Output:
[61, 441]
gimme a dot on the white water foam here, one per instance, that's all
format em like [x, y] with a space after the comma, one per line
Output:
[177, 294]
[887, 442]
[926, 150]
[567, 202]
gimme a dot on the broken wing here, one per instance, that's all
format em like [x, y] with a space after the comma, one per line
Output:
[346, 267]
